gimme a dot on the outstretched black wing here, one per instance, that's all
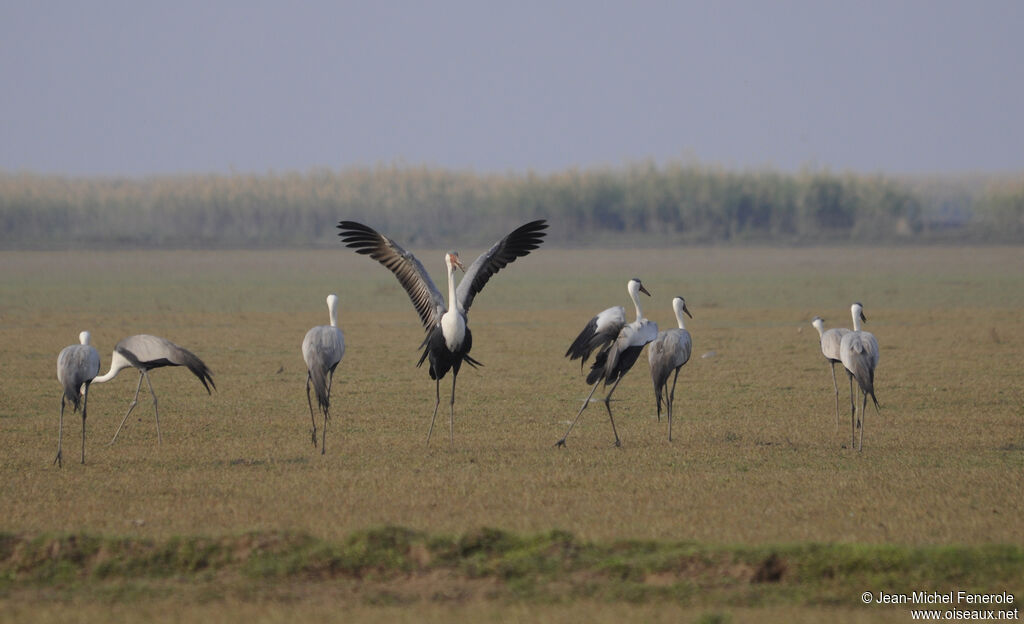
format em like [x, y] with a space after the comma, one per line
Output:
[519, 243]
[410, 272]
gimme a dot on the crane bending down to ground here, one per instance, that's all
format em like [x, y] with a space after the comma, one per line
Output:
[322, 349]
[859, 354]
[144, 353]
[77, 365]
[830, 341]
[448, 338]
[618, 344]
[668, 353]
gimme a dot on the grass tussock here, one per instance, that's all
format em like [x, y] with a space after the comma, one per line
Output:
[549, 566]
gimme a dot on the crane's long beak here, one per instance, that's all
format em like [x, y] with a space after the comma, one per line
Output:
[862, 317]
[644, 290]
[687, 310]
[457, 261]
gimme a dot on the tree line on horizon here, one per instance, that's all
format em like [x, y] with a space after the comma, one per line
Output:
[660, 205]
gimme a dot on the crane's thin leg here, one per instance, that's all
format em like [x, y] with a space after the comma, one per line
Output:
[835, 384]
[310, 401]
[327, 414]
[658, 393]
[323, 443]
[853, 417]
[85, 404]
[60, 434]
[607, 406]
[159, 440]
[135, 402]
[586, 402]
[863, 408]
[437, 401]
[671, 403]
[451, 413]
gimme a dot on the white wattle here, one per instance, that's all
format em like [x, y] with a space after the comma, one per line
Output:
[634, 294]
[679, 315]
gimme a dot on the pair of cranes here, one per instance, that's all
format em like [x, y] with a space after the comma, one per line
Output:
[857, 350]
[619, 345]
[78, 366]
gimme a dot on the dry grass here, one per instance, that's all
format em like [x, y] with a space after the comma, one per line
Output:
[756, 457]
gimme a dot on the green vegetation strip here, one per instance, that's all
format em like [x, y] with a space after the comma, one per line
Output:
[552, 566]
[676, 203]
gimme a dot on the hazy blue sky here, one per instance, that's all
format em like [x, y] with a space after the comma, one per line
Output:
[138, 87]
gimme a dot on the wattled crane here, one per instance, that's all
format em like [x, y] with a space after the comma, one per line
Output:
[859, 354]
[77, 366]
[144, 353]
[448, 340]
[322, 349]
[667, 353]
[829, 341]
[619, 345]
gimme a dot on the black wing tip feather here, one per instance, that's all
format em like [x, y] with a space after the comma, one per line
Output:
[199, 369]
[530, 235]
[362, 238]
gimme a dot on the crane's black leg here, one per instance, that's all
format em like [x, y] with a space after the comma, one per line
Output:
[437, 401]
[671, 403]
[853, 416]
[863, 407]
[159, 440]
[586, 402]
[608, 406]
[135, 402]
[323, 443]
[312, 417]
[658, 392]
[327, 413]
[85, 404]
[451, 413]
[60, 434]
[835, 384]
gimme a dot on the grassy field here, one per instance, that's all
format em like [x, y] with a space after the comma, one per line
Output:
[756, 467]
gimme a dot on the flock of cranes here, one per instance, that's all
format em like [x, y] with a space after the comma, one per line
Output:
[448, 341]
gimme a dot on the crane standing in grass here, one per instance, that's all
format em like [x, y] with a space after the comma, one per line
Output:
[830, 341]
[448, 338]
[322, 349]
[77, 366]
[619, 345]
[859, 354]
[667, 353]
[144, 353]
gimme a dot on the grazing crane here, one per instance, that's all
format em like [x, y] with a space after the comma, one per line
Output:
[77, 366]
[448, 338]
[830, 341]
[669, 351]
[859, 354]
[322, 349]
[619, 345]
[145, 352]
